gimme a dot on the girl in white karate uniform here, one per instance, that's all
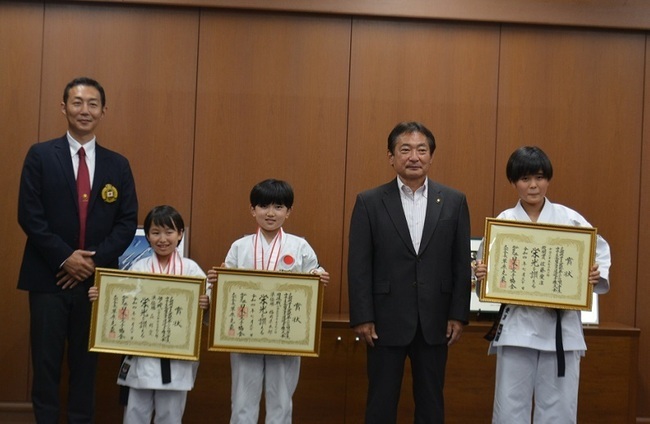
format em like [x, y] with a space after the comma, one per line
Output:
[149, 391]
[529, 370]
[270, 248]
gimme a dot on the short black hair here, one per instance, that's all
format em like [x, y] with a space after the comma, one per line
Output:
[272, 192]
[408, 128]
[87, 82]
[528, 160]
[164, 216]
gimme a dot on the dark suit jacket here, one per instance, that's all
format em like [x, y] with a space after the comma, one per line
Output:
[392, 285]
[49, 215]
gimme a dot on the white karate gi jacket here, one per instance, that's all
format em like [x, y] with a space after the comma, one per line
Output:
[296, 255]
[533, 327]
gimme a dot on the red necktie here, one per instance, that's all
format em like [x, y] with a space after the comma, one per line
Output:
[83, 191]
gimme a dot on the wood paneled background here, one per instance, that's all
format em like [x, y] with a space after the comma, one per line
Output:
[205, 102]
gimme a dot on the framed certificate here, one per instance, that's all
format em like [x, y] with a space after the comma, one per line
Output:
[538, 264]
[266, 312]
[146, 314]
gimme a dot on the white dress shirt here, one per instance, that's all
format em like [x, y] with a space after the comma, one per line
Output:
[415, 209]
[89, 147]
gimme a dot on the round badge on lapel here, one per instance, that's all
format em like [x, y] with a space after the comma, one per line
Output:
[109, 193]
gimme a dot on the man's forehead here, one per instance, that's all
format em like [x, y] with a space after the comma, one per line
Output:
[412, 138]
[84, 91]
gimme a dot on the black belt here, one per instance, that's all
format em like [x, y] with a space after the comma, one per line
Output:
[489, 336]
[559, 347]
[165, 370]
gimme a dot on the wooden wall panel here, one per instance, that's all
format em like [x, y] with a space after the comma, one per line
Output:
[643, 273]
[272, 103]
[440, 74]
[20, 26]
[600, 13]
[146, 60]
[578, 95]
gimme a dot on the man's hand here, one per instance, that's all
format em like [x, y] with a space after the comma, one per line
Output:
[454, 330]
[79, 266]
[366, 332]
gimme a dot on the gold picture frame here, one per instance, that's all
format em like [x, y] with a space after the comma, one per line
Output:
[266, 312]
[475, 304]
[538, 264]
[146, 314]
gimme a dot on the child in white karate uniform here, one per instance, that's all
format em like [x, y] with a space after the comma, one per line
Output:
[270, 248]
[149, 391]
[529, 368]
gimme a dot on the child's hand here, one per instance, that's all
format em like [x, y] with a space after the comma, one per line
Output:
[480, 270]
[594, 275]
[324, 275]
[212, 274]
[93, 293]
[204, 301]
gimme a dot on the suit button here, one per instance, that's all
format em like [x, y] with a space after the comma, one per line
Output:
[414, 283]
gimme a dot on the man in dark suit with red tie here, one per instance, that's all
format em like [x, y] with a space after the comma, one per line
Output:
[78, 207]
[409, 278]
